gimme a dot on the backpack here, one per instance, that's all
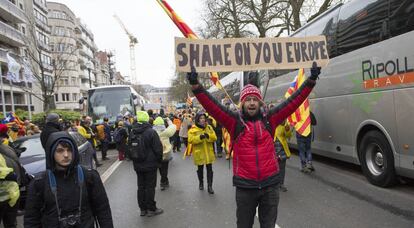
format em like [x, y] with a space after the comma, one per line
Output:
[136, 146]
[100, 129]
[117, 136]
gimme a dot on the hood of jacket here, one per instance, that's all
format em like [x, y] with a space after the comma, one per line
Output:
[141, 127]
[53, 141]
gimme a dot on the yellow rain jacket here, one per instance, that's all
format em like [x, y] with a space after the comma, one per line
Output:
[87, 136]
[202, 149]
[282, 135]
[9, 190]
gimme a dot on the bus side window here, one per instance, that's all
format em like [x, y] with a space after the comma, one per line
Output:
[361, 23]
[401, 17]
[327, 25]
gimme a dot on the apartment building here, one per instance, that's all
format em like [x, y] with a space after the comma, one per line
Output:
[64, 47]
[12, 42]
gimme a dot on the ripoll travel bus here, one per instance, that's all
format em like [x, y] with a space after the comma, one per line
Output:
[112, 101]
[364, 100]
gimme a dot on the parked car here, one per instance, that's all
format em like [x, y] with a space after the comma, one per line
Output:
[33, 157]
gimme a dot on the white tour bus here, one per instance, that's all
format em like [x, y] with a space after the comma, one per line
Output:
[112, 101]
[364, 99]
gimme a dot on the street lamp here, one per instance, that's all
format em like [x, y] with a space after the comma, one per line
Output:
[89, 67]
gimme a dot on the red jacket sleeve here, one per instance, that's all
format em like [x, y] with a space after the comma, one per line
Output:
[285, 109]
[218, 111]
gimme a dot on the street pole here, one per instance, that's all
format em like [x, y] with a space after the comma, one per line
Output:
[89, 72]
[2, 93]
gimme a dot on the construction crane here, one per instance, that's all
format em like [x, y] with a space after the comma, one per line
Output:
[132, 41]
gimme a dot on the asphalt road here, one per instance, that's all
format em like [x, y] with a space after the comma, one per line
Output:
[336, 195]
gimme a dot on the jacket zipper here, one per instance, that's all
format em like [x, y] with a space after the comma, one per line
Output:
[257, 154]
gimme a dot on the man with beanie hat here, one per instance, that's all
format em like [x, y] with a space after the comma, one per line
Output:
[255, 166]
[52, 125]
[146, 157]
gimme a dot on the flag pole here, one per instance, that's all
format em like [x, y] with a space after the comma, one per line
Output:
[188, 33]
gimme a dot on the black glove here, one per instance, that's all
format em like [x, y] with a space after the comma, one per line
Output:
[202, 136]
[192, 77]
[206, 135]
[315, 71]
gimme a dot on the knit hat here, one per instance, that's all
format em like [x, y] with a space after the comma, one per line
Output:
[158, 121]
[250, 90]
[142, 117]
[52, 118]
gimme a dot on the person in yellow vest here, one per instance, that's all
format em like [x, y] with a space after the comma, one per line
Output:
[202, 137]
[13, 132]
[86, 131]
[10, 177]
[282, 134]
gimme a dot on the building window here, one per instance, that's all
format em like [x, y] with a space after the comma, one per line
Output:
[56, 97]
[60, 31]
[46, 59]
[73, 81]
[64, 81]
[24, 30]
[65, 97]
[75, 96]
[60, 47]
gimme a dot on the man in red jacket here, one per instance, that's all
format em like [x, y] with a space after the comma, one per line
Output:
[255, 166]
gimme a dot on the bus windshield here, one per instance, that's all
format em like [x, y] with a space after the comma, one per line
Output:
[110, 102]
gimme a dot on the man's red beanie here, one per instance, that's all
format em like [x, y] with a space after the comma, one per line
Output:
[250, 90]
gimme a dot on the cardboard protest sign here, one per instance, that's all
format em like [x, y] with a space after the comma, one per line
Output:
[246, 54]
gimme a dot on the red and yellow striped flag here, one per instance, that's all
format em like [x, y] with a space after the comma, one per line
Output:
[300, 119]
[187, 32]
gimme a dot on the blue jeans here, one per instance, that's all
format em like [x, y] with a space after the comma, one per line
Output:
[304, 146]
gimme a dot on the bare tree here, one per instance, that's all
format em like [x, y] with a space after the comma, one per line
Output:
[263, 18]
[46, 72]
[140, 89]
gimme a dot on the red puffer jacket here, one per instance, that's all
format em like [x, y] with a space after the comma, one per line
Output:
[254, 164]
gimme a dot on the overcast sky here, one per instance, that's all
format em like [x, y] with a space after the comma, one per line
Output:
[148, 22]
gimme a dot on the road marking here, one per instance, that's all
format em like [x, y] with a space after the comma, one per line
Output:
[257, 215]
[110, 170]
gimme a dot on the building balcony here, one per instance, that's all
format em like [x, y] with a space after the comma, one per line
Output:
[86, 54]
[10, 35]
[43, 46]
[43, 26]
[41, 5]
[11, 12]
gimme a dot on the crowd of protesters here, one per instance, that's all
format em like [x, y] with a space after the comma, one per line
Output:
[149, 139]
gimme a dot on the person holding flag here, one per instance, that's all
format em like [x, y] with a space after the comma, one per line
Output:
[255, 167]
[301, 120]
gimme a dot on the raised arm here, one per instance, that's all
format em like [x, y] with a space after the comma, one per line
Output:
[285, 109]
[214, 108]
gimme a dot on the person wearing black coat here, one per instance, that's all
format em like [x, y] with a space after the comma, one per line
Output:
[147, 170]
[52, 125]
[84, 202]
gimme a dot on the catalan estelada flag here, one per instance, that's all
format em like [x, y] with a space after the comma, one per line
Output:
[300, 119]
[187, 32]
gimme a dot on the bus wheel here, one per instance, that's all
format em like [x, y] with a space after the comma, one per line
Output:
[377, 159]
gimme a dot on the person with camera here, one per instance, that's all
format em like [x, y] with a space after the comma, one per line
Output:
[165, 129]
[67, 195]
[255, 167]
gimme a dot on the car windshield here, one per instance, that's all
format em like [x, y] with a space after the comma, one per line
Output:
[109, 102]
